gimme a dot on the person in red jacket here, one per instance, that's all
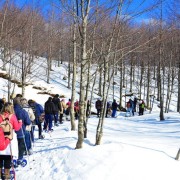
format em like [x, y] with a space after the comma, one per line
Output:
[76, 109]
[12, 147]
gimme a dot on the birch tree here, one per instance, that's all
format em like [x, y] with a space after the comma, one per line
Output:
[84, 13]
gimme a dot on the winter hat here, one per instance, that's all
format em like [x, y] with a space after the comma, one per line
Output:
[50, 99]
[57, 95]
[18, 95]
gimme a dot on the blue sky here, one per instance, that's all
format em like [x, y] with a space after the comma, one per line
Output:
[42, 3]
[135, 5]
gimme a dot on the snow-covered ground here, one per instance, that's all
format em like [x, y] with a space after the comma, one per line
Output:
[134, 148]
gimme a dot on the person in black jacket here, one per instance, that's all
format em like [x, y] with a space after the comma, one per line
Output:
[49, 109]
[98, 106]
[57, 105]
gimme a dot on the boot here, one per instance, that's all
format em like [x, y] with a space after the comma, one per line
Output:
[7, 174]
[1, 174]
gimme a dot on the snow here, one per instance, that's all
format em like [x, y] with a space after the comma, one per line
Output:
[132, 148]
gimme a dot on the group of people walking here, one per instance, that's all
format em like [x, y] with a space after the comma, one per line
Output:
[110, 108]
[23, 116]
[131, 107]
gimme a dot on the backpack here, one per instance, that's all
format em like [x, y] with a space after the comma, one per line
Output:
[42, 118]
[31, 116]
[6, 132]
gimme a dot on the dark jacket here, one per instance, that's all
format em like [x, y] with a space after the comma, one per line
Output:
[132, 103]
[21, 114]
[57, 104]
[98, 104]
[114, 105]
[49, 107]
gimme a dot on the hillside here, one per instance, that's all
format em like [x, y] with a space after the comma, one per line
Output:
[133, 148]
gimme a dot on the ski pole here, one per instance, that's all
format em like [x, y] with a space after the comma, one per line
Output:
[26, 147]
[32, 147]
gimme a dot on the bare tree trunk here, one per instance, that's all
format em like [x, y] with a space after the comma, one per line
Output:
[148, 85]
[160, 89]
[121, 84]
[88, 86]
[171, 89]
[69, 72]
[23, 79]
[92, 90]
[106, 86]
[73, 125]
[159, 72]
[124, 73]
[168, 89]
[99, 130]
[100, 81]
[2, 51]
[131, 73]
[141, 80]
[85, 13]
[48, 70]
[178, 101]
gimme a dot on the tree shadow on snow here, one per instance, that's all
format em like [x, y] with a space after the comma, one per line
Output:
[142, 147]
[55, 148]
[88, 142]
[56, 142]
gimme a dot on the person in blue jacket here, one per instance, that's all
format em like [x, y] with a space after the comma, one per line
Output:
[114, 108]
[21, 114]
[132, 106]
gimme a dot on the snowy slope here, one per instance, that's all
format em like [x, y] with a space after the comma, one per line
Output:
[137, 148]
[134, 148]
